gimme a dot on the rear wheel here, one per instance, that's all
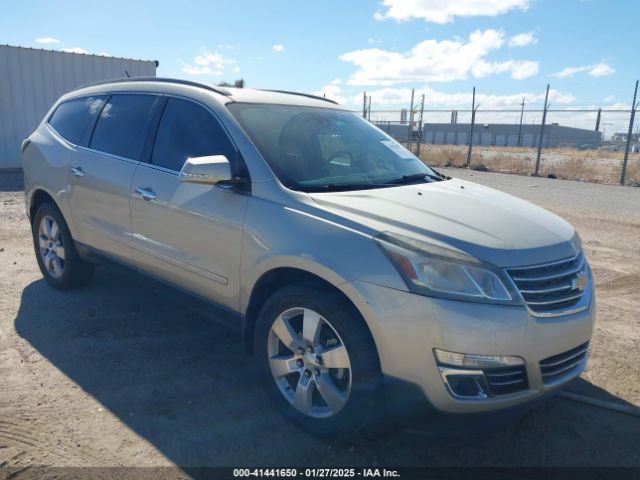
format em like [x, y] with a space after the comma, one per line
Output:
[319, 361]
[57, 257]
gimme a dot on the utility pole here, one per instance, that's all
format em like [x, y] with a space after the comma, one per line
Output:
[421, 127]
[410, 133]
[634, 105]
[369, 109]
[521, 117]
[598, 120]
[364, 104]
[544, 119]
[473, 121]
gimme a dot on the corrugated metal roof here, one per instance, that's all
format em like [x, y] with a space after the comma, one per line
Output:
[79, 53]
[32, 79]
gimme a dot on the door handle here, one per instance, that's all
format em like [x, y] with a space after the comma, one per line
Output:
[77, 171]
[146, 194]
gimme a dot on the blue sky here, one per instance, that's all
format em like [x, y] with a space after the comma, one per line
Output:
[506, 48]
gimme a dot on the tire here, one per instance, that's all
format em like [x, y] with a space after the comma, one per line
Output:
[58, 259]
[342, 401]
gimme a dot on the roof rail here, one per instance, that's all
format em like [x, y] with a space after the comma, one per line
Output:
[317, 97]
[219, 90]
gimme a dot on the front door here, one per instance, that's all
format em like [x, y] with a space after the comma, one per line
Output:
[186, 233]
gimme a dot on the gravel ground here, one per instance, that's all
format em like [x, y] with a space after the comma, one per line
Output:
[119, 374]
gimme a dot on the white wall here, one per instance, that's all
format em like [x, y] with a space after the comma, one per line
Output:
[31, 80]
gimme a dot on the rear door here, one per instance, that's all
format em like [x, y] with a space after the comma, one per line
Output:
[188, 234]
[101, 173]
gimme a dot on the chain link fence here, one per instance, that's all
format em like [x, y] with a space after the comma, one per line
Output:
[591, 144]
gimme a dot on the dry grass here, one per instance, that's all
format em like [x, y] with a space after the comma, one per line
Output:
[633, 172]
[505, 164]
[444, 157]
[567, 152]
[573, 169]
[597, 166]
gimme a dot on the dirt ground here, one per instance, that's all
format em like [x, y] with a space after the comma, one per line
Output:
[118, 374]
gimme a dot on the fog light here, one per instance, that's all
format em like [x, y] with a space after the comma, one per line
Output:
[464, 384]
[469, 360]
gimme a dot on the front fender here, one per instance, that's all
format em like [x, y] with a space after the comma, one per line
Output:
[283, 237]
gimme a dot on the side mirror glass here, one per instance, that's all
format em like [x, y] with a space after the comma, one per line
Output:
[209, 170]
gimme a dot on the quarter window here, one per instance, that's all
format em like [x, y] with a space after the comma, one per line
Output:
[72, 118]
[188, 130]
[121, 127]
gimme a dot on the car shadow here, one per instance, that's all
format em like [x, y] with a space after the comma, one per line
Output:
[183, 383]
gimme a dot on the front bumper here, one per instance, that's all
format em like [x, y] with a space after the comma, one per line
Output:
[407, 327]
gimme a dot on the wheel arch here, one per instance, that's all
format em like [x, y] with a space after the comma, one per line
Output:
[39, 197]
[275, 279]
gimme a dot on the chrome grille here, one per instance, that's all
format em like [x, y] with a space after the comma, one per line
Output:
[564, 364]
[552, 287]
[506, 380]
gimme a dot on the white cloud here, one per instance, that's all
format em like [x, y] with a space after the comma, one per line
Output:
[332, 91]
[433, 98]
[519, 69]
[523, 39]
[601, 70]
[444, 11]
[278, 47]
[47, 40]
[196, 70]
[436, 61]
[373, 40]
[208, 63]
[597, 70]
[75, 50]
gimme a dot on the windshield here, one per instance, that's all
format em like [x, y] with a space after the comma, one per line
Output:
[315, 149]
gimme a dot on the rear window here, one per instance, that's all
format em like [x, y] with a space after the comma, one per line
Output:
[121, 127]
[72, 118]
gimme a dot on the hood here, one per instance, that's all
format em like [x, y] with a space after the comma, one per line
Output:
[492, 226]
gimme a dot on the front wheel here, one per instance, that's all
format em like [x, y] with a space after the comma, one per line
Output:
[319, 360]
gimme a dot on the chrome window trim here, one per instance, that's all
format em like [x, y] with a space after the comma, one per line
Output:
[111, 155]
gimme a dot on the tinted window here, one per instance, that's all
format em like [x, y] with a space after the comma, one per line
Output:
[188, 130]
[121, 126]
[314, 149]
[72, 118]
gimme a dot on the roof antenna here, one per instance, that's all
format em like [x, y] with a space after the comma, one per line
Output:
[127, 74]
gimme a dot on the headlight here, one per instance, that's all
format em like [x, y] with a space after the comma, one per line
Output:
[441, 272]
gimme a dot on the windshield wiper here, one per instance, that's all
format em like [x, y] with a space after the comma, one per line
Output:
[340, 187]
[414, 177]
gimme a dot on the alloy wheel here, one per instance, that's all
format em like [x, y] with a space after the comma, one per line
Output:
[51, 246]
[309, 362]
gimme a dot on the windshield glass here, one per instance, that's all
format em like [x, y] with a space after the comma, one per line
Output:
[313, 149]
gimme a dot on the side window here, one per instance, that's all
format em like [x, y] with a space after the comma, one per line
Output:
[120, 129]
[72, 118]
[188, 130]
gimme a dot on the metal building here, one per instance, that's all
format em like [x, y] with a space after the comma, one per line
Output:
[31, 80]
[498, 134]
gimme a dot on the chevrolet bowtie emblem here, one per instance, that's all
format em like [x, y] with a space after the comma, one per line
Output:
[580, 282]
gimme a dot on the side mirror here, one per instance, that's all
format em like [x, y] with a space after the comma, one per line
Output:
[209, 170]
